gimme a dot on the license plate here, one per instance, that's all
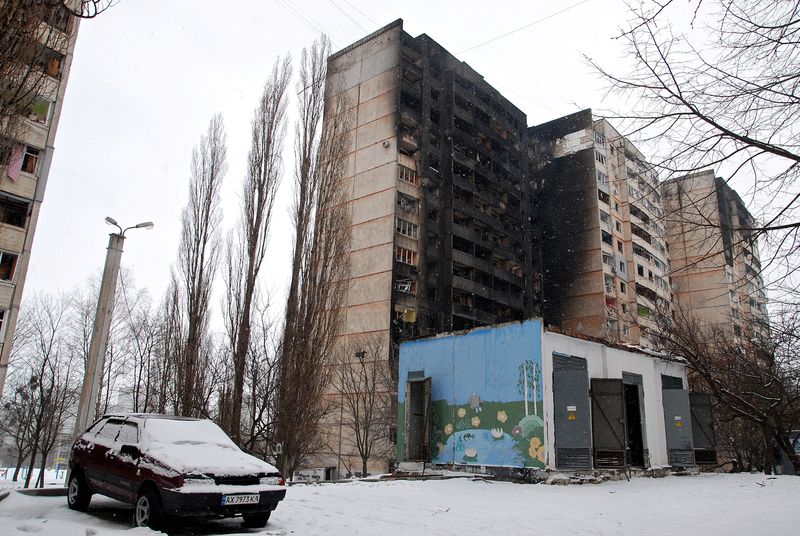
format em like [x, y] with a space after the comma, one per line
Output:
[228, 500]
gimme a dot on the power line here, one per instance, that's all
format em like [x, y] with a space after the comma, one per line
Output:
[361, 12]
[523, 27]
[308, 21]
[346, 14]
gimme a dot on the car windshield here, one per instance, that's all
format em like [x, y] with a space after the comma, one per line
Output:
[184, 432]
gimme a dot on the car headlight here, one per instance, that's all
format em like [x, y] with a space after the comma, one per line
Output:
[276, 480]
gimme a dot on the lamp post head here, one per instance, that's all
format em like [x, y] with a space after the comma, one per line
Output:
[111, 221]
[145, 225]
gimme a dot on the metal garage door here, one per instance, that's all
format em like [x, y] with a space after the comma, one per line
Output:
[677, 422]
[608, 423]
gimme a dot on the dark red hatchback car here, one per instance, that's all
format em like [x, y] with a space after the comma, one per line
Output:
[171, 466]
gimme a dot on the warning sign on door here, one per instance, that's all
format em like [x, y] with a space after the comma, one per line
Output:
[571, 417]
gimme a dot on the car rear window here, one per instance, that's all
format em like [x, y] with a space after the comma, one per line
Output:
[169, 431]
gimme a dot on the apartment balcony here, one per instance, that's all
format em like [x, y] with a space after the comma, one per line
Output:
[474, 314]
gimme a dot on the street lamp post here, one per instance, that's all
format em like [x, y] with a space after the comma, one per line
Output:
[93, 377]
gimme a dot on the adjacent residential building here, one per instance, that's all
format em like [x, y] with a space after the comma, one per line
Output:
[716, 271]
[605, 257]
[24, 169]
[439, 195]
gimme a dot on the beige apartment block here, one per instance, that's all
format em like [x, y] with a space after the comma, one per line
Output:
[716, 267]
[605, 257]
[24, 178]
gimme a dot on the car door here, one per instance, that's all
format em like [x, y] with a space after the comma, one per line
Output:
[97, 464]
[121, 464]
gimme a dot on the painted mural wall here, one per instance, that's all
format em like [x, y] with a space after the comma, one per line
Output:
[487, 395]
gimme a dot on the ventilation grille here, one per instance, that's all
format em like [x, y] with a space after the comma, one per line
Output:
[705, 456]
[574, 458]
[681, 458]
[609, 459]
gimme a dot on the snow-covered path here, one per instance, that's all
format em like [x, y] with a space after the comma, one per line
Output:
[702, 505]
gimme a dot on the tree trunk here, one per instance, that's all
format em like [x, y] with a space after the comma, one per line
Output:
[769, 451]
[363, 467]
[786, 447]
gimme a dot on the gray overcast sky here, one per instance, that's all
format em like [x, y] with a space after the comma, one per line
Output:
[148, 75]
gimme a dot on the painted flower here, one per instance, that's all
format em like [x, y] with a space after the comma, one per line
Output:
[537, 453]
[502, 416]
[476, 421]
[471, 453]
[442, 447]
[516, 430]
[448, 429]
[497, 433]
[461, 413]
[536, 442]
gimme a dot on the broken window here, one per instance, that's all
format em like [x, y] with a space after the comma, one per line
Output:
[406, 256]
[623, 289]
[608, 259]
[39, 110]
[406, 285]
[8, 265]
[607, 238]
[406, 228]
[30, 160]
[407, 203]
[602, 178]
[619, 246]
[609, 283]
[622, 266]
[640, 270]
[12, 211]
[602, 196]
[605, 217]
[643, 311]
[599, 138]
[407, 174]
[600, 157]
[619, 227]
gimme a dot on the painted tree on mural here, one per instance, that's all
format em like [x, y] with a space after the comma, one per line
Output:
[528, 384]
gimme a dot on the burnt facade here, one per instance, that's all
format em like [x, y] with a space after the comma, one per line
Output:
[477, 257]
[606, 260]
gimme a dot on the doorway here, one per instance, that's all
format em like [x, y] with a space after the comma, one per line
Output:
[633, 418]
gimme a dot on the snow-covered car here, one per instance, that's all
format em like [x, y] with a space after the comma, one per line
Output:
[171, 466]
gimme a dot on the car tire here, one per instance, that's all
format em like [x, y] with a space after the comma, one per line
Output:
[148, 511]
[256, 521]
[78, 492]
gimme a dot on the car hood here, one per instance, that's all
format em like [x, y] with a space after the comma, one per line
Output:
[188, 457]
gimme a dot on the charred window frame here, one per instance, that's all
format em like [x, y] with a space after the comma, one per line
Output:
[13, 211]
[8, 265]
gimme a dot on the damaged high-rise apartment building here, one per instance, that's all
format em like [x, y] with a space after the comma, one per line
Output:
[463, 216]
[605, 257]
[26, 152]
[439, 193]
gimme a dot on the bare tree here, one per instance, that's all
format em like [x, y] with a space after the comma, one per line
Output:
[320, 265]
[755, 380]
[197, 261]
[48, 367]
[249, 245]
[365, 395]
[723, 96]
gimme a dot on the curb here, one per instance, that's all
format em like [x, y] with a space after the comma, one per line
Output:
[44, 492]
[4, 494]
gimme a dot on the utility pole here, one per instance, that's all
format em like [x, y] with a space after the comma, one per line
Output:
[93, 378]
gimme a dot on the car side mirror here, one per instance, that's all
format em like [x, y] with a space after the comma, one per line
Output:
[131, 450]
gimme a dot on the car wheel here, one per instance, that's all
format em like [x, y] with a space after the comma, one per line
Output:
[148, 511]
[256, 521]
[78, 494]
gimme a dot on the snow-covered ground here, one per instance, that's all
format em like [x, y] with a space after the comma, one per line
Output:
[706, 505]
[51, 477]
